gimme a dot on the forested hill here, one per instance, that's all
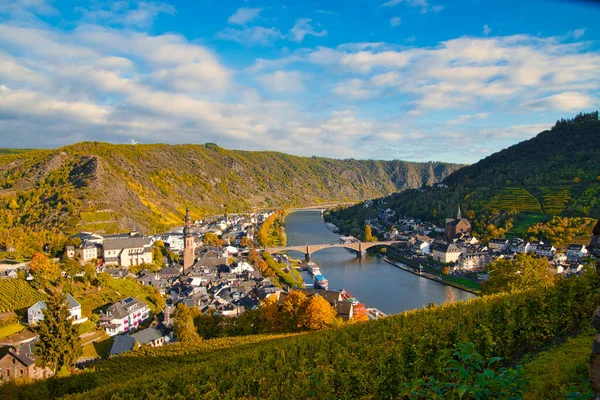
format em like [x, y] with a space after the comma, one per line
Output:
[554, 175]
[569, 152]
[104, 187]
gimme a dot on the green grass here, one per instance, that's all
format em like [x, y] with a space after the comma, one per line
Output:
[95, 216]
[561, 370]
[11, 329]
[518, 199]
[106, 227]
[521, 227]
[98, 349]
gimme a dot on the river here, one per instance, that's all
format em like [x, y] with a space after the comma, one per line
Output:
[371, 280]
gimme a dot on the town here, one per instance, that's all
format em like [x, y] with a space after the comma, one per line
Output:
[207, 265]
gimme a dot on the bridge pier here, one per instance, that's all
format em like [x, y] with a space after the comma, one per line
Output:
[307, 255]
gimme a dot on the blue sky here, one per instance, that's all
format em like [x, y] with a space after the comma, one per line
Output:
[415, 80]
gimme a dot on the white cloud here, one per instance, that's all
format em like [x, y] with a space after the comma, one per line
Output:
[487, 30]
[302, 28]
[282, 81]
[354, 89]
[395, 21]
[423, 5]
[128, 13]
[567, 101]
[463, 71]
[244, 15]
[257, 35]
[578, 33]
[463, 119]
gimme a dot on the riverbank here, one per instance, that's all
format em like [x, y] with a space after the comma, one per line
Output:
[416, 270]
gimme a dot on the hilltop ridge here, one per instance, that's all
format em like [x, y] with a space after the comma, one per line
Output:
[106, 187]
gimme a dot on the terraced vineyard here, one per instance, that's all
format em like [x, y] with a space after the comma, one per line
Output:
[16, 294]
[555, 199]
[518, 199]
[365, 360]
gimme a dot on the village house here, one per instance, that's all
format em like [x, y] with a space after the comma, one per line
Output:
[19, 362]
[518, 245]
[475, 259]
[545, 250]
[127, 250]
[445, 252]
[124, 316]
[498, 245]
[35, 312]
[174, 240]
[88, 251]
[576, 252]
[152, 336]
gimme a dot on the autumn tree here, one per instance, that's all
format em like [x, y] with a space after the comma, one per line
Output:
[71, 267]
[244, 242]
[369, 234]
[293, 310]
[44, 270]
[183, 325]
[318, 314]
[211, 239]
[58, 345]
[270, 316]
[523, 272]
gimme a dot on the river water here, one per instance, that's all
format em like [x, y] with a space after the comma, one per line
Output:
[371, 280]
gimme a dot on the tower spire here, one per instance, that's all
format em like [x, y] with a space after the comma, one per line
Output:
[459, 215]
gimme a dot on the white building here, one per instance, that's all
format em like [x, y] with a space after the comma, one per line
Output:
[545, 250]
[88, 251]
[519, 245]
[445, 252]
[175, 241]
[35, 312]
[576, 252]
[124, 316]
[498, 245]
[127, 250]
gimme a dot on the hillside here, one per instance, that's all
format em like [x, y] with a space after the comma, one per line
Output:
[372, 360]
[104, 187]
[556, 173]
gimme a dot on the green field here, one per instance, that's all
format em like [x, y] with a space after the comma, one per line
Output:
[99, 348]
[95, 216]
[561, 370]
[520, 228]
[11, 329]
[517, 199]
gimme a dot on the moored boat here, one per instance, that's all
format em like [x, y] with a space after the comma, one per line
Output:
[321, 282]
[313, 268]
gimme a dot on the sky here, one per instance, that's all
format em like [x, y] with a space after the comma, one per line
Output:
[415, 80]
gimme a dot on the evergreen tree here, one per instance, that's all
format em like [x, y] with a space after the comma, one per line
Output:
[58, 345]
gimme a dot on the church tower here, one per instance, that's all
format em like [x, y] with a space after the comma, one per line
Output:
[189, 245]
[459, 215]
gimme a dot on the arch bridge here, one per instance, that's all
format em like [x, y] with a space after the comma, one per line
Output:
[309, 249]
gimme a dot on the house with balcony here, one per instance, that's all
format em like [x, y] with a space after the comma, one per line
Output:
[124, 316]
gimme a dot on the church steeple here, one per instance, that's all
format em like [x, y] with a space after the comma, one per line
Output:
[189, 245]
[459, 215]
[187, 231]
